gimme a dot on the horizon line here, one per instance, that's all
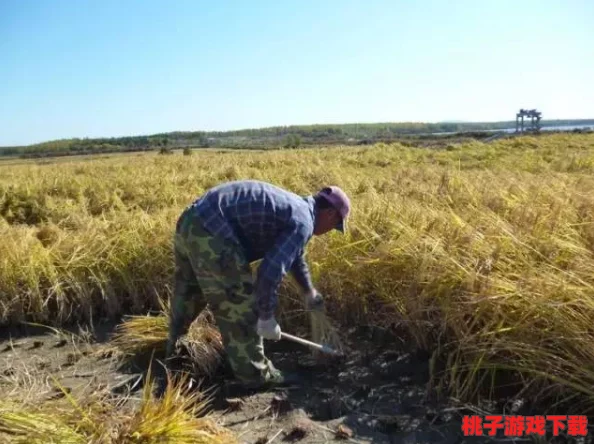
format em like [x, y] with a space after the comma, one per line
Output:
[293, 126]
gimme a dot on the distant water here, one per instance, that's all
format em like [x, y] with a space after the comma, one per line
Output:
[526, 126]
[553, 128]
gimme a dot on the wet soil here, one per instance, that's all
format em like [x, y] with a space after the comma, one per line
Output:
[377, 393]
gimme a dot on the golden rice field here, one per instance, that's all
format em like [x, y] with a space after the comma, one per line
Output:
[482, 253]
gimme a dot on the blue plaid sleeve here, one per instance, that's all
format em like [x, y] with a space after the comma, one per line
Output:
[275, 265]
[300, 272]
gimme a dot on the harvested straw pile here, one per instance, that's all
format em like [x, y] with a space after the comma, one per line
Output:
[142, 335]
[176, 417]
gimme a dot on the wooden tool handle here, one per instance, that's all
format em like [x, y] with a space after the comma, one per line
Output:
[322, 348]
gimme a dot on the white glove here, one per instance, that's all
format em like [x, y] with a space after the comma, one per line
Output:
[313, 300]
[269, 329]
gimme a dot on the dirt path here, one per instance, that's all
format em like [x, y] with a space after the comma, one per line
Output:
[375, 395]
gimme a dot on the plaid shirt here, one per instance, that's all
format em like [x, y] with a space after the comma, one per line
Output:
[269, 223]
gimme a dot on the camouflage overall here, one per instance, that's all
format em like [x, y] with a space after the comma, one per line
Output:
[212, 270]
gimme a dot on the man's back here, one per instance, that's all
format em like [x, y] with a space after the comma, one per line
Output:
[254, 213]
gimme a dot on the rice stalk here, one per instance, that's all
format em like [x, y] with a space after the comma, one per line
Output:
[37, 428]
[176, 417]
[67, 420]
[482, 253]
[323, 332]
[180, 414]
[143, 335]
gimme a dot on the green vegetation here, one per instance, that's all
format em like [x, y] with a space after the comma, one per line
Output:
[274, 137]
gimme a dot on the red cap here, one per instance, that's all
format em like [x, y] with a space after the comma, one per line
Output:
[340, 201]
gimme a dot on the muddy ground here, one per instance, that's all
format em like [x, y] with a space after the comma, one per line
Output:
[378, 393]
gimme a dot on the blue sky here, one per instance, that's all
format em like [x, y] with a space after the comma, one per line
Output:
[112, 68]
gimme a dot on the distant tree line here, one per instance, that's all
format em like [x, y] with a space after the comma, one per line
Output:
[273, 137]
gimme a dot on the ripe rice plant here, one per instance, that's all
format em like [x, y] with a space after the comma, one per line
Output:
[481, 253]
[178, 416]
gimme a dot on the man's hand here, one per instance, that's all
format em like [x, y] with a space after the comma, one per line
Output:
[269, 329]
[313, 300]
